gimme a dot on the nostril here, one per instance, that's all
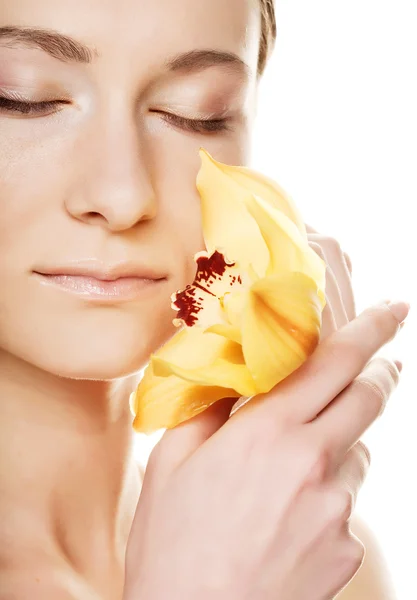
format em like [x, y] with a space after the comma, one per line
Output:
[93, 216]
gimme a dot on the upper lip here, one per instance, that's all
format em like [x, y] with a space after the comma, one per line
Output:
[101, 271]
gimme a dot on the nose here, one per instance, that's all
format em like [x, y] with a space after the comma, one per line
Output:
[112, 185]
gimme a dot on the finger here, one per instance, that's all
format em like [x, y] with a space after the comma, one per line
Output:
[348, 262]
[343, 482]
[336, 260]
[333, 366]
[332, 290]
[354, 468]
[336, 300]
[179, 443]
[347, 418]
[310, 229]
[346, 481]
[328, 322]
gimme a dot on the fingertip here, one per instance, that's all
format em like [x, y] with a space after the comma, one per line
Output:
[400, 310]
[399, 365]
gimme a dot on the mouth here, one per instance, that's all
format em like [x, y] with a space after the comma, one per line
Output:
[119, 284]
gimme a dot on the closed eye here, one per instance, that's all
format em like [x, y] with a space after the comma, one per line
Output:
[196, 125]
[22, 107]
[47, 107]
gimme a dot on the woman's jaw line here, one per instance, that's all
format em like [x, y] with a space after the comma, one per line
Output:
[36, 395]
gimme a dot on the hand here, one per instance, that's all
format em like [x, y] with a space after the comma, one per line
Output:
[256, 505]
[340, 302]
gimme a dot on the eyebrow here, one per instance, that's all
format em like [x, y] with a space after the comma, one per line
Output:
[198, 60]
[57, 45]
[67, 49]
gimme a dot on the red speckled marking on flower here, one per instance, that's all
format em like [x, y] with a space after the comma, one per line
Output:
[210, 270]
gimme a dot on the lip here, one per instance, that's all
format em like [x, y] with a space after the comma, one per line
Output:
[106, 283]
[102, 271]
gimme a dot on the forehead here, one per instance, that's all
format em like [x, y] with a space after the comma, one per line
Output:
[147, 29]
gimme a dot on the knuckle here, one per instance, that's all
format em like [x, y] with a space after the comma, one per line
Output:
[377, 382]
[364, 454]
[310, 458]
[350, 558]
[332, 244]
[382, 322]
[348, 554]
[388, 369]
[355, 553]
[346, 349]
[317, 461]
[339, 506]
[373, 393]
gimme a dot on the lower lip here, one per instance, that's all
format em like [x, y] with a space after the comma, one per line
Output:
[118, 290]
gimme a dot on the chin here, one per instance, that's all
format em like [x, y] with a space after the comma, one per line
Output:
[96, 346]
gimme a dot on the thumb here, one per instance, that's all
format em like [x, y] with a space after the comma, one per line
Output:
[179, 443]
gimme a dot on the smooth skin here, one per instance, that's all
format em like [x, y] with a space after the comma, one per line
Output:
[105, 173]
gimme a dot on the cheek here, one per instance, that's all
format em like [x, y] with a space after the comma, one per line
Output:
[32, 171]
[187, 236]
[176, 162]
[179, 212]
[31, 183]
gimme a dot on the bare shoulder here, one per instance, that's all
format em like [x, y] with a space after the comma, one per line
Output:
[373, 578]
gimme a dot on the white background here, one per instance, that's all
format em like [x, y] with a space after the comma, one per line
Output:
[337, 128]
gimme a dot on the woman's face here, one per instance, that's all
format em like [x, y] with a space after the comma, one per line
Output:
[97, 177]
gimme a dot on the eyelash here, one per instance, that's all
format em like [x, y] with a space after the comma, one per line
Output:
[47, 107]
[197, 125]
[30, 108]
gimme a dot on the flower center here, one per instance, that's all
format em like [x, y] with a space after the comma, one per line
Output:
[214, 278]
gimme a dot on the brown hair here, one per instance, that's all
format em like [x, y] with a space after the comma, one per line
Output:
[268, 33]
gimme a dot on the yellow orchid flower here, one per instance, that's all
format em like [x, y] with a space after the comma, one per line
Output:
[253, 313]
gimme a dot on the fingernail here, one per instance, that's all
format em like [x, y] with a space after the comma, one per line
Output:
[400, 310]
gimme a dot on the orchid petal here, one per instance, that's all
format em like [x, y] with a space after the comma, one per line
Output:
[227, 225]
[289, 250]
[281, 327]
[260, 185]
[221, 373]
[215, 361]
[164, 401]
[227, 331]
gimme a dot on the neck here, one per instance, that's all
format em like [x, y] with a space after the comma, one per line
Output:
[69, 481]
